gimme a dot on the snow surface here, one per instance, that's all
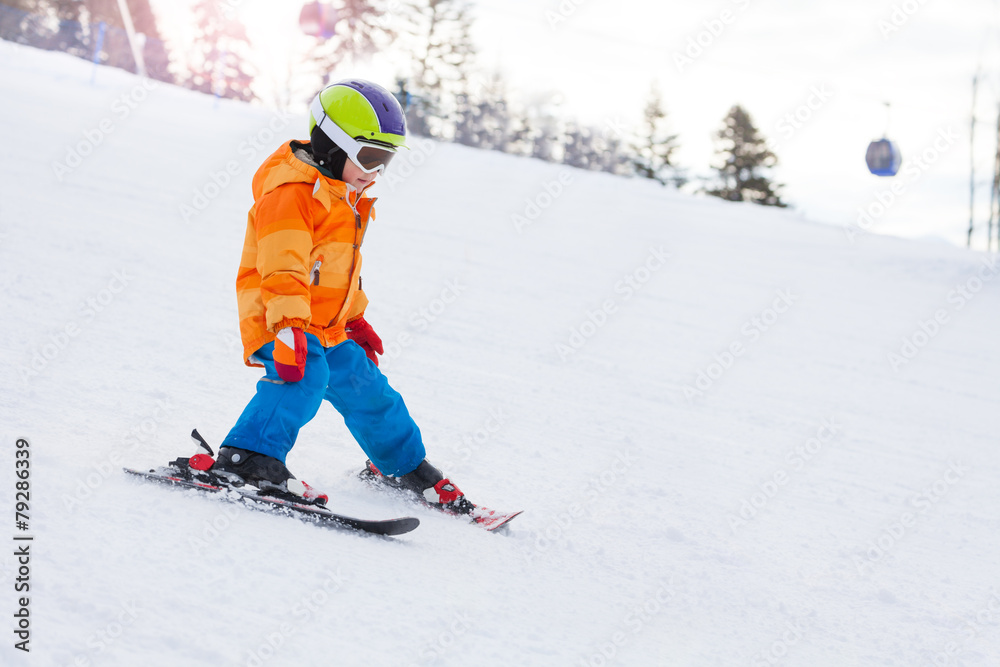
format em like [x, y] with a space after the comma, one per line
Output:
[829, 498]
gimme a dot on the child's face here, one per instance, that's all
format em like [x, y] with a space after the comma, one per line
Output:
[354, 176]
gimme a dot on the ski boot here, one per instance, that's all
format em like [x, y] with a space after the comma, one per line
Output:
[242, 466]
[237, 467]
[428, 484]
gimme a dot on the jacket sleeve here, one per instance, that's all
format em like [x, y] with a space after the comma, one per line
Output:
[284, 243]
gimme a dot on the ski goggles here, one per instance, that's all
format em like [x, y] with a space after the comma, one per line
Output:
[367, 157]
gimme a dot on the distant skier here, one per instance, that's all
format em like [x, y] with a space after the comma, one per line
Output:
[302, 308]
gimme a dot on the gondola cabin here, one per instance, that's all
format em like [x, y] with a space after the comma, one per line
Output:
[883, 157]
[318, 20]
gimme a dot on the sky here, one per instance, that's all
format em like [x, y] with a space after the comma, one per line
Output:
[815, 78]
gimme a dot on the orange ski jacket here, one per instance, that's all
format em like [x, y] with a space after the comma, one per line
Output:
[301, 264]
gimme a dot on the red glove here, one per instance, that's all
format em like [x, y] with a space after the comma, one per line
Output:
[362, 333]
[290, 348]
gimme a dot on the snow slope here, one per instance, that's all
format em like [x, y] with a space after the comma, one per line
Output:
[739, 438]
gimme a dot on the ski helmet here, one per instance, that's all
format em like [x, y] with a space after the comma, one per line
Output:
[360, 118]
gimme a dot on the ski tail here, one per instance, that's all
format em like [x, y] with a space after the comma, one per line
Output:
[255, 500]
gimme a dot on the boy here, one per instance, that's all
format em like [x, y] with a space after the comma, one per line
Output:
[302, 307]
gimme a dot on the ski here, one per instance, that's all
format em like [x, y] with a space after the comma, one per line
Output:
[255, 500]
[484, 517]
[492, 520]
[194, 473]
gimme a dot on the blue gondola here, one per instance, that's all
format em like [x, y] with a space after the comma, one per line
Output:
[318, 20]
[883, 157]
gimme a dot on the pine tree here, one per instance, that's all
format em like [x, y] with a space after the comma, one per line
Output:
[217, 55]
[22, 28]
[496, 131]
[611, 158]
[71, 26]
[653, 152]
[464, 131]
[440, 42]
[363, 27]
[540, 128]
[745, 156]
[490, 110]
[577, 146]
[544, 138]
[155, 54]
[66, 10]
[27, 5]
[70, 37]
[592, 148]
[519, 141]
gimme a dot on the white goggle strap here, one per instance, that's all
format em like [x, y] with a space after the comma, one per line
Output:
[346, 142]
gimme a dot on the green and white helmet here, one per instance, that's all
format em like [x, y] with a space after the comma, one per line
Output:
[359, 117]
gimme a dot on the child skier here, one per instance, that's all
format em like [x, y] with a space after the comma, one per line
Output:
[302, 308]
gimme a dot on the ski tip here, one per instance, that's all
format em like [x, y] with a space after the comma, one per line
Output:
[492, 520]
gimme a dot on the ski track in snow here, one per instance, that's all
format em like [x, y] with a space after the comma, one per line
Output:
[812, 505]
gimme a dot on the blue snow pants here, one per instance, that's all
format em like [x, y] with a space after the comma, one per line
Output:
[372, 410]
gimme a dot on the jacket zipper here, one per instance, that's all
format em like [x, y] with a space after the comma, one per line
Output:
[354, 258]
[314, 275]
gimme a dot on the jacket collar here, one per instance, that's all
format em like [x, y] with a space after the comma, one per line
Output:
[285, 167]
